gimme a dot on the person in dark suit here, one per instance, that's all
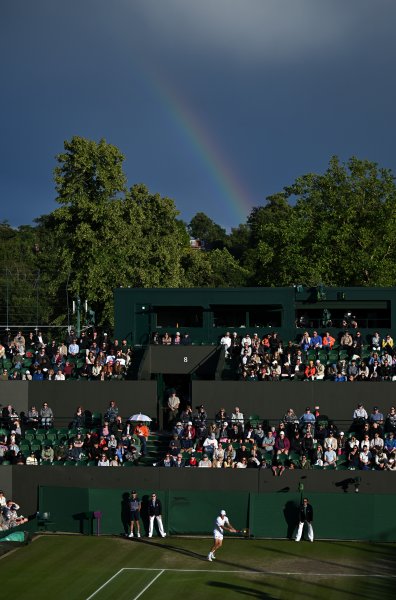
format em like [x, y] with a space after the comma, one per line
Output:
[155, 512]
[305, 518]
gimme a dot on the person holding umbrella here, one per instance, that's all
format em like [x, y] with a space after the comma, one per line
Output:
[142, 432]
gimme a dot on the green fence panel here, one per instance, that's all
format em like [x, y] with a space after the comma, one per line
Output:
[384, 523]
[346, 516]
[67, 507]
[114, 508]
[195, 512]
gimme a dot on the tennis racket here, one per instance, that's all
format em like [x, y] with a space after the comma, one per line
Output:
[243, 532]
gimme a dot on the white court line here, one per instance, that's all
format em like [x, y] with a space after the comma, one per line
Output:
[148, 585]
[245, 572]
[105, 583]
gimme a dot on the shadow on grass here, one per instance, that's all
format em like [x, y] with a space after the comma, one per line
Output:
[223, 586]
[315, 557]
[360, 581]
[202, 557]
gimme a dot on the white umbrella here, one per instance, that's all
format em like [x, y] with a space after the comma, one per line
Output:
[139, 417]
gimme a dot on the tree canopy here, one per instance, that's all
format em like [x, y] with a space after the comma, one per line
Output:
[337, 228]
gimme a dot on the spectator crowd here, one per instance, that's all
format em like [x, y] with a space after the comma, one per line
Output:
[89, 357]
[306, 441]
[297, 441]
[9, 517]
[31, 439]
[314, 357]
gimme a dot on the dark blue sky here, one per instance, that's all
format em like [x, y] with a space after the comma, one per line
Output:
[216, 103]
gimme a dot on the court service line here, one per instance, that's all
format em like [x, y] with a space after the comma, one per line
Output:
[250, 572]
[105, 583]
[148, 585]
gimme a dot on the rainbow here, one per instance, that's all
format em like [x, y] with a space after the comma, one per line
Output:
[234, 193]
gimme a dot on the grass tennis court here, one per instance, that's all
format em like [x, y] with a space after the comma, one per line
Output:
[89, 568]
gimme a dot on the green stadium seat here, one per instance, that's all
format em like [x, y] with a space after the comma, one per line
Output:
[294, 457]
[333, 356]
[63, 431]
[96, 419]
[254, 420]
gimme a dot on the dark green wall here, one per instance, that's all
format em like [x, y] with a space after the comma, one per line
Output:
[269, 400]
[138, 324]
[26, 481]
[179, 359]
[272, 399]
[64, 396]
[272, 515]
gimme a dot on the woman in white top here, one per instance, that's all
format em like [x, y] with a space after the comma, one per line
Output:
[103, 461]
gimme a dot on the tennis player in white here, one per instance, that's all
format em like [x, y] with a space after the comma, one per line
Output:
[221, 523]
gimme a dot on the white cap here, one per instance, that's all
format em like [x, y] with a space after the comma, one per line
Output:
[223, 513]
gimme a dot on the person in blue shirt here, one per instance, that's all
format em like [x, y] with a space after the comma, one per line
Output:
[316, 340]
[38, 375]
[307, 417]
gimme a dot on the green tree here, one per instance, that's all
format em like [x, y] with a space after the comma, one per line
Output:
[348, 216]
[24, 297]
[273, 256]
[217, 268]
[109, 237]
[157, 239]
[337, 228]
[203, 228]
[89, 179]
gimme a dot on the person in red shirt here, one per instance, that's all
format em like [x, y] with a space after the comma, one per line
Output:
[328, 341]
[310, 371]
